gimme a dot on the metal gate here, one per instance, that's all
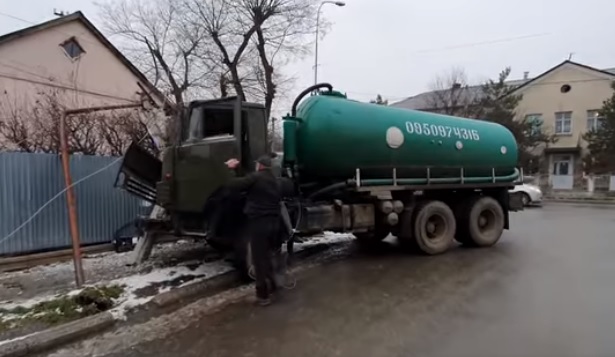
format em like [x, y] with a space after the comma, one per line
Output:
[562, 182]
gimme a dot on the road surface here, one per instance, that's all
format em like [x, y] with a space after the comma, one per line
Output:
[546, 289]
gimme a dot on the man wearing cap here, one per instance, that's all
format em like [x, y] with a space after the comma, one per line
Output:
[262, 209]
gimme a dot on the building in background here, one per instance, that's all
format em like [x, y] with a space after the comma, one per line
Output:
[68, 59]
[565, 101]
[65, 63]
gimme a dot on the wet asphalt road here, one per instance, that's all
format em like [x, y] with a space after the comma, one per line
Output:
[546, 289]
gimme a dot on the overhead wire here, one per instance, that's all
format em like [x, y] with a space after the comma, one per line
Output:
[54, 29]
[424, 51]
[38, 211]
[58, 85]
[66, 87]
[62, 86]
[482, 43]
[397, 97]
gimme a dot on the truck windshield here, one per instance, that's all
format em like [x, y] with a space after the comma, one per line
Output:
[210, 122]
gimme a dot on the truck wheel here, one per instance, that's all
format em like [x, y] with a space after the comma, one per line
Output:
[434, 227]
[405, 236]
[462, 212]
[483, 223]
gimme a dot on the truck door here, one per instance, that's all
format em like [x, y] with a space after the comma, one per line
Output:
[139, 173]
[255, 134]
[213, 136]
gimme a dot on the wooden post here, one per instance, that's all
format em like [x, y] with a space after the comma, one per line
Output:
[72, 206]
[70, 195]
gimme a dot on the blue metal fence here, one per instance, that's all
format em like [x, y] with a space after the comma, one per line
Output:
[29, 181]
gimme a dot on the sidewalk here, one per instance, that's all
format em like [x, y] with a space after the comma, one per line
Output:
[580, 197]
[36, 299]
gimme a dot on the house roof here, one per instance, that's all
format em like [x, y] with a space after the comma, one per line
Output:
[79, 16]
[567, 62]
[424, 101]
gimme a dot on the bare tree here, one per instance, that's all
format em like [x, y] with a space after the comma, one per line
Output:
[223, 46]
[218, 45]
[284, 37]
[451, 94]
[492, 101]
[173, 51]
[34, 127]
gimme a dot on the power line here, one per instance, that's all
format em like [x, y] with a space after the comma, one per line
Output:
[395, 97]
[50, 29]
[38, 211]
[65, 87]
[482, 43]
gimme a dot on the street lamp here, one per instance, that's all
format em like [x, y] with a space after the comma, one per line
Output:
[337, 3]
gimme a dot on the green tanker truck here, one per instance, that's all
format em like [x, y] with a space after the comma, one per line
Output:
[346, 166]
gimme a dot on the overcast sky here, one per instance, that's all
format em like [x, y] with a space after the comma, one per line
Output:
[396, 47]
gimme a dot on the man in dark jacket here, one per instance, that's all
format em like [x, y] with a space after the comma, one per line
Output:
[262, 209]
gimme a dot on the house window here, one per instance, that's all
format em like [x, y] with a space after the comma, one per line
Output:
[563, 123]
[72, 48]
[594, 120]
[535, 124]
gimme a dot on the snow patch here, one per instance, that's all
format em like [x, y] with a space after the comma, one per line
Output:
[133, 283]
[326, 238]
[130, 300]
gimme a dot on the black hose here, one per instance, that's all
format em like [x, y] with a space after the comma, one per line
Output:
[306, 92]
[328, 189]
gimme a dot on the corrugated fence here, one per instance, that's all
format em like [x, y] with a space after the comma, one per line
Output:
[29, 181]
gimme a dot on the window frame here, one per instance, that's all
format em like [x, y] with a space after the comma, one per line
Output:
[535, 117]
[73, 40]
[594, 119]
[196, 128]
[561, 117]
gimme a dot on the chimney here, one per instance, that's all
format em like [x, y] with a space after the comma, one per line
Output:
[526, 75]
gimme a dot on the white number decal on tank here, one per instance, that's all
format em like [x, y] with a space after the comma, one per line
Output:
[442, 131]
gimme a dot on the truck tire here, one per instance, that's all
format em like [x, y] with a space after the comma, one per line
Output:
[405, 235]
[434, 227]
[462, 211]
[481, 223]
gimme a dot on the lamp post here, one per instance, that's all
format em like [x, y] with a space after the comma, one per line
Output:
[337, 3]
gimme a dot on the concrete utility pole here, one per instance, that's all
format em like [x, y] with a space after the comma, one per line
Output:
[68, 181]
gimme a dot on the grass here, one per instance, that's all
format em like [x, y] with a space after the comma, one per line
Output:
[4, 326]
[89, 301]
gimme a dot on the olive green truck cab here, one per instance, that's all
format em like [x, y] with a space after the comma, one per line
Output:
[347, 166]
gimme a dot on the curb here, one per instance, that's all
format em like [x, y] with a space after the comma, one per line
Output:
[57, 335]
[221, 281]
[60, 335]
[27, 261]
[581, 201]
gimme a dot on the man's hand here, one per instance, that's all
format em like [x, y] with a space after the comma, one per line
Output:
[232, 163]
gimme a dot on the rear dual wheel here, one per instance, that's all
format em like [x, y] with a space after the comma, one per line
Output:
[480, 222]
[430, 227]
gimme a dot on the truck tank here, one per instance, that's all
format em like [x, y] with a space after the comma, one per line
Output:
[330, 137]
